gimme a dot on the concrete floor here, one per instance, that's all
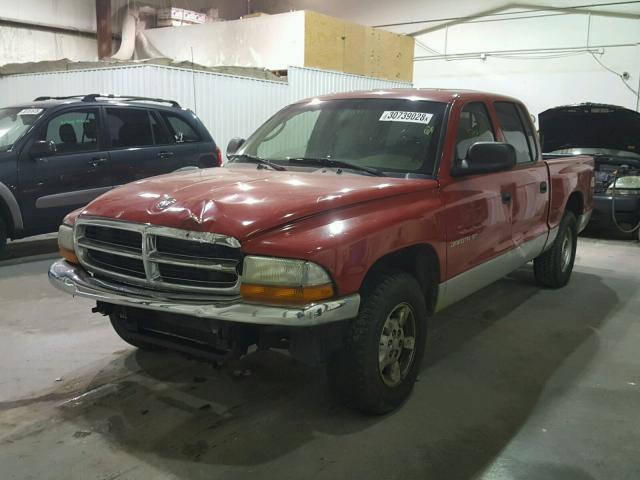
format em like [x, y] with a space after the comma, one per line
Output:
[518, 383]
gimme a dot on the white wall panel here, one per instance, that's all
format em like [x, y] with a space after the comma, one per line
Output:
[545, 58]
[77, 14]
[228, 105]
[309, 82]
[272, 42]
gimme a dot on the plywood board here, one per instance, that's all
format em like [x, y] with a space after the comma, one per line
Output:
[333, 44]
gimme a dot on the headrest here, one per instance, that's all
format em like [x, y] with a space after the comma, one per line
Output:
[67, 133]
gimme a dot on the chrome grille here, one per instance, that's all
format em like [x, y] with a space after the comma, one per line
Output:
[159, 258]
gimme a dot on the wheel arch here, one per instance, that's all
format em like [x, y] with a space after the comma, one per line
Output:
[420, 261]
[575, 204]
[10, 210]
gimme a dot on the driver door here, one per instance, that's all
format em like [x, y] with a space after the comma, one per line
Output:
[68, 178]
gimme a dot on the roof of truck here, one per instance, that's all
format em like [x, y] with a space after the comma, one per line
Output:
[429, 94]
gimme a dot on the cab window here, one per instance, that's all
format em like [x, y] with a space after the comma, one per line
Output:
[514, 130]
[474, 126]
[528, 127]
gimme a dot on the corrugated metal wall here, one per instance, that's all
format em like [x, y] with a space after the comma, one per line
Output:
[309, 82]
[228, 105]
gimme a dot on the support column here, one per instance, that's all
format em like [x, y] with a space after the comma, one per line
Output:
[103, 23]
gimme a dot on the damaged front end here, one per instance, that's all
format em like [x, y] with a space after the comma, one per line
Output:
[220, 341]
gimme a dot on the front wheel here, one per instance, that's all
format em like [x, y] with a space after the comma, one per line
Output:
[3, 235]
[553, 268]
[378, 365]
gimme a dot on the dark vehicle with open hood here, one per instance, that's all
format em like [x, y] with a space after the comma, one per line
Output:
[611, 134]
[58, 154]
[336, 230]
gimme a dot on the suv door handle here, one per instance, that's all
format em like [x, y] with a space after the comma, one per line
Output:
[543, 187]
[95, 162]
[506, 197]
[166, 154]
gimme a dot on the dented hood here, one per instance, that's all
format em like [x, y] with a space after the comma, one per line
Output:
[242, 202]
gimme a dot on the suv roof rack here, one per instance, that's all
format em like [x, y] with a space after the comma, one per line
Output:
[92, 97]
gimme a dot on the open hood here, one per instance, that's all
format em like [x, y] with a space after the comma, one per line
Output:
[591, 128]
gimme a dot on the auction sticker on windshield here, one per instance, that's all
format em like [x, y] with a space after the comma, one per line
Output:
[30, 111]
[413, 117]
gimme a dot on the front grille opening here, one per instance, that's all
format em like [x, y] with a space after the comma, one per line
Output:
[196, 277]
[116, 263]
[177, 247]
[114, 236]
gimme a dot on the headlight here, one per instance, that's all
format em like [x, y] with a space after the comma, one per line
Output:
[626, 185]
[65, 243]
[280, 280]
[623, 191]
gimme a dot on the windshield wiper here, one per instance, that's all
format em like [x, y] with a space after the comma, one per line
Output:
[329, 162]
[259, 161]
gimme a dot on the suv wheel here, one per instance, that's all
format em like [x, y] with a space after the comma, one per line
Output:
[3, 235]
[378, 365]
[553, 268]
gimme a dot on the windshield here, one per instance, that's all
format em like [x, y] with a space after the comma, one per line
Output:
[14, 122]
[394, 136]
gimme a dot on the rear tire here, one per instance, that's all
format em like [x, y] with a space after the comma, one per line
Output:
[553, 268]
[119, 324]
[377, 367]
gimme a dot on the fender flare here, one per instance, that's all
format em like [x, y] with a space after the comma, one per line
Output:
[7, 197]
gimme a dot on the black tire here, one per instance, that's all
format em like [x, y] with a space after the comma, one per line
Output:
[3, 235]
[119, 324]
[553, 268]
[356, 371]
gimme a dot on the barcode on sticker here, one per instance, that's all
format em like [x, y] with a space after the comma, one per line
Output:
[30, 111]
[413, 117]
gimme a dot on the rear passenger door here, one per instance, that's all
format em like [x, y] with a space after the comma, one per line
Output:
[140, 144]
[530, 177]
[190, 146]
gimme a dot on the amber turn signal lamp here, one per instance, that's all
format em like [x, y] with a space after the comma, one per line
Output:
[276, 294]
[69, 256]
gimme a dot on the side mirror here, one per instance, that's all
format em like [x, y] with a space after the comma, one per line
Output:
[234, 145]
[43, 148]
[486, 157]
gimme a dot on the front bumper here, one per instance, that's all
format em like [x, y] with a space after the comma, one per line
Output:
[76, 281]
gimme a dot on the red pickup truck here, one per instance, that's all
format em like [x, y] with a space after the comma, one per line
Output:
[335, 231]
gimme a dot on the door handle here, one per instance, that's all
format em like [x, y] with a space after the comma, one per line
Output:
[543, 187]
[506, 197]
[166, 154]
[96, 162]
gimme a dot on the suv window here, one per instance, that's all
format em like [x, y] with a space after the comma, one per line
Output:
[160, 134]
[475, 126]
[129, 127]
[513, 129]
[73, 131]
[180, 129]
